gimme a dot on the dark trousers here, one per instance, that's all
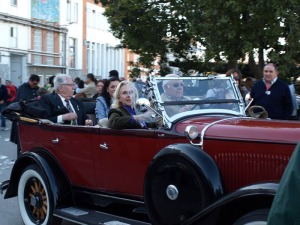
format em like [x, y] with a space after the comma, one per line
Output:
[2, 118]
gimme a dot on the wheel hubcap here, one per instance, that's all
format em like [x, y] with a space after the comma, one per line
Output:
[172, 192]
[37, 200]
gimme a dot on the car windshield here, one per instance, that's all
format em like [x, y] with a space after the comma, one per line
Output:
[181, 96]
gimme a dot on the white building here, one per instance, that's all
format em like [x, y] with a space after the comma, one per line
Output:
[14, 40]
[49, 37]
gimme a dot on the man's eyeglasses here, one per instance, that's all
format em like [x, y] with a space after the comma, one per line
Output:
[176, 85]
[71, 85]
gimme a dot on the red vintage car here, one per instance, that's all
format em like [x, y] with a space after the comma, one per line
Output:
[210, 164]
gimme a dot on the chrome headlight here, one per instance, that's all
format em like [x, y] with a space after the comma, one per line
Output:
[191, 132]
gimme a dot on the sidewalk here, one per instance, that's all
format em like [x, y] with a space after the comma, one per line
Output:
[7, 148]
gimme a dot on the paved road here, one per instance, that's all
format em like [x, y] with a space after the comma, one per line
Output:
[9, 210]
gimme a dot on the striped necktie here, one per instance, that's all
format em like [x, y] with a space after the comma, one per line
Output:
[68, 106]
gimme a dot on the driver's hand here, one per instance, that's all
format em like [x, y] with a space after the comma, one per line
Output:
[185, 108]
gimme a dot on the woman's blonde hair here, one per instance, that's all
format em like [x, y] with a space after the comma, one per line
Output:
[117, 93]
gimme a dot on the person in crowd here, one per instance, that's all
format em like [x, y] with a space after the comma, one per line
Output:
[61, 106]
[215, 90]
[100, 85]
[113, 73]
[248, 84]
[76, 80]
[237, 76]
[12, 92]
[173, 91]
[80, 85]
[90, 89]
[122, 115]
[273, 94]
[81, 95]
[50, 85]
[104, 102]
[3, 99]
[28, 90]
[41, 91]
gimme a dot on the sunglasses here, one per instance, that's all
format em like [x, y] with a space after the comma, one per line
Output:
[176, 85]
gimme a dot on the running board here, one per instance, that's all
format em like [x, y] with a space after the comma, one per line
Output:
[91, 217]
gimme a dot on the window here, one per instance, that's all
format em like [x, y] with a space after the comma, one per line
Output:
[69, 11]
[50, 47]
[13, 37]
[72, 11]
[37, 46]
[92, 18]
[93, 55]
[72, 52]
[75, 13]
[13, 2]
[87, 55]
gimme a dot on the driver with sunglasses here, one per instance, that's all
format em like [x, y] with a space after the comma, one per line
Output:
[173, 91]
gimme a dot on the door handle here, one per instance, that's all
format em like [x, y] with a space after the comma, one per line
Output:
[160, 135]
[55, 141]
[103, 146]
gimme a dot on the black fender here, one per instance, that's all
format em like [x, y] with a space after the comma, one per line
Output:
[58, 181]
[198, 158]
[199, 170]
[236, 204]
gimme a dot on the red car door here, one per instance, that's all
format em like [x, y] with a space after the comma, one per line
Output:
[125, 156]
[73, 147]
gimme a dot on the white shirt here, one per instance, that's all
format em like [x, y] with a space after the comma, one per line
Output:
[59, 118]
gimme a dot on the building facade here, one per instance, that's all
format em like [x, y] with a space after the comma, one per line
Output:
[59, 36]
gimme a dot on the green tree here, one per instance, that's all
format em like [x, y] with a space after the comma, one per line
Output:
[229, 30]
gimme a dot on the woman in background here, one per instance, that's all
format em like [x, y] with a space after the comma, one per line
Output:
[104, 102]
[100, 85]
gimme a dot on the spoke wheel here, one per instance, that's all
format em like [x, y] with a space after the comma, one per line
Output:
[35, 202]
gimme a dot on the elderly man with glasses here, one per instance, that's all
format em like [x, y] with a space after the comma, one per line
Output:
[61, 106]
[173, 91]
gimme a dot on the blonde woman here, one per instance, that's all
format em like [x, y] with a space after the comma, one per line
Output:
[122, 115]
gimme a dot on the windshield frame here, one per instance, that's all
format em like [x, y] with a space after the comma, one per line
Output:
[236, 99]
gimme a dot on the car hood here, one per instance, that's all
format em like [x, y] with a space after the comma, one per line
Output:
[244, 128]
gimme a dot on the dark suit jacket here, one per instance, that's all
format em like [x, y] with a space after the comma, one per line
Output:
[120, 118]
[55, 107]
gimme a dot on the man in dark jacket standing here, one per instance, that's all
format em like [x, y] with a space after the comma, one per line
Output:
[29, 89]
[3, 98]
[273, 94]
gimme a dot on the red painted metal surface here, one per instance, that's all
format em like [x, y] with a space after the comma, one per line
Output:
[246, 151]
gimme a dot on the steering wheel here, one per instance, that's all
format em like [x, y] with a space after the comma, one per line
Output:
[261, 114]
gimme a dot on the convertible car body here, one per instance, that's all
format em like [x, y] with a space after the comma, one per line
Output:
[210, 164]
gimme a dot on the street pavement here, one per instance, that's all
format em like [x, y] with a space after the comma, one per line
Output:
[9, 210]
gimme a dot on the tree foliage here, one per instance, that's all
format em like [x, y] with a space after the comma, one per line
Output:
[229, 30]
